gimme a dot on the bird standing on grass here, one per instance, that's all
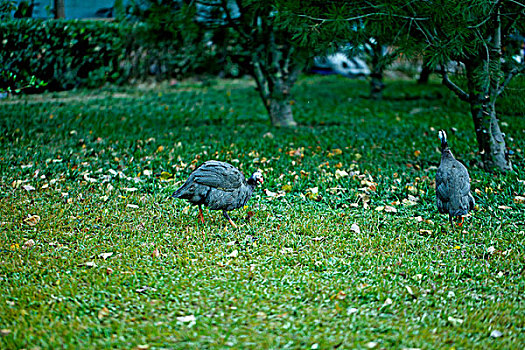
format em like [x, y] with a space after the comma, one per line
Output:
[218, 186]
[452, 184]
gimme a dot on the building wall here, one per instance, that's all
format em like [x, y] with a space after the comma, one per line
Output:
[74, 8]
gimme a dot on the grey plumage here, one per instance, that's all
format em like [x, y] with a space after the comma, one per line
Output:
[218, 186]
[452, 184]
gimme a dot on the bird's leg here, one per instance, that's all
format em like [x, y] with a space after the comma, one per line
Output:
[201, 217]
[460, 224]
[225, 213]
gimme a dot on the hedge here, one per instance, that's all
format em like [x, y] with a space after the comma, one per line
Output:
[63, 53]
[72, 53]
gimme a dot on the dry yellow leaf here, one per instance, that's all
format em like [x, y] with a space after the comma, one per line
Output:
[32, 220]
[519, 199]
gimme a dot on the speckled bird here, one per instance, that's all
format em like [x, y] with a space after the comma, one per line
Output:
[218, 186]
[452, 184]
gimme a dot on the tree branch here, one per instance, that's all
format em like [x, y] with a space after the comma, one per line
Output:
[362, 16]
[456, 89]
[515, 71]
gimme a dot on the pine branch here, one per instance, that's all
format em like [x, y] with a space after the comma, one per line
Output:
[362, 16]
[513, 72]
[456, 89]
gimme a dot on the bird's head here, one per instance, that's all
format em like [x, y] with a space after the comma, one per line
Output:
[443, 137]
[256, 178]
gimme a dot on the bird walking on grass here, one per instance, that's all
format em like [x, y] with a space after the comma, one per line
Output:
[218, 186]
[452, 184]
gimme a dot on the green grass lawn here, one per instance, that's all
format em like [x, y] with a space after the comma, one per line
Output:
[346, 248]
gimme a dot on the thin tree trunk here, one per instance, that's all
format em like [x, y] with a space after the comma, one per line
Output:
[60, 8]
[376, 83]
[425, 73]
[491, 141]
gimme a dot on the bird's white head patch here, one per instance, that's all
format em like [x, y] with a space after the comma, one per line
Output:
[442, 136]
[258, 177]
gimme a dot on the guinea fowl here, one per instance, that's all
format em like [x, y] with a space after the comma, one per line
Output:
[218, 186]
[452, 184]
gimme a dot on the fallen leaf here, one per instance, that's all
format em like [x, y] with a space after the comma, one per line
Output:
[28, 244]
[455, 321]
[409, 290]
[160, 149]
[156, 253]
[311, 193]
[417, 153]
[355, 227]
[105, 255]
[145, 289]
[28, 188]
[233, 254]
[387, 302]
[286, 250]
[504, 207]
[89, 264]
[5, 332]
[340, 173]
[352, 310]
[32, 220]
[165, 175]
[390, 209]
[132, 206]
[491, 249]
[130, 189]
[287, 188]
[341, 295]
[371, 344]
[186, 319]
[519, 199]
[103, 313]
[318, 239]
[411, 189]
[496, 334]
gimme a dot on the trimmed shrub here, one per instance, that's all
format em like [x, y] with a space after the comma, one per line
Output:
[63, 53]
[66, 54]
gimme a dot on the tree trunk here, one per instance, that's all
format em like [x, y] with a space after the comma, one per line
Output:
[425, 73]
[376, 83]
[280, 113]
[482, 99]
[60, 8]
[274, 81]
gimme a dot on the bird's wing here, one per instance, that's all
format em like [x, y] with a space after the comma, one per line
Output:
[463, 181]
[218, 175]
[442, 188]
